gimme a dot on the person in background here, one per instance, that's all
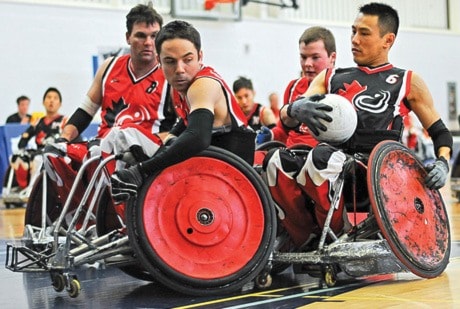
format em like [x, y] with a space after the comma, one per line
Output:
[256, 114]
[208, 109]
[317, 51]
[21, 116]
[48, 127]
[27, 163]
[382, 95]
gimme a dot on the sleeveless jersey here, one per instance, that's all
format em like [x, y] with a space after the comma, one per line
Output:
[254, 117]
[378, 94]
[127, 100]
[183, 109]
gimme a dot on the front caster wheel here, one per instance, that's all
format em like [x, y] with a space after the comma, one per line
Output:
[263, 281]
[330, 276]
[58, 282]
[74, 288]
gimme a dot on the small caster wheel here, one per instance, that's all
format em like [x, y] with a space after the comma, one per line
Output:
[74, 288]
[330, 277]
[263, 281]
[58, 282]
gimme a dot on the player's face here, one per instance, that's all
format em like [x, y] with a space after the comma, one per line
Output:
[142, 41]
[180, 62]
[245, 98]
[52, 102]
[314, 59]
[369, 48]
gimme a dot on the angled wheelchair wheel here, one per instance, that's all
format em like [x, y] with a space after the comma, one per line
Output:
[107, 220]
[204, 226]
[270, 145]
[33, 213]
[412, 218]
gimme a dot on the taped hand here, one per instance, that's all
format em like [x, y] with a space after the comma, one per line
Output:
[309, 111]
[437, 174]
[264, 135]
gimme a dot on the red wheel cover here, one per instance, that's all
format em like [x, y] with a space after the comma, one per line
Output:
[412, 217]
[203, 218]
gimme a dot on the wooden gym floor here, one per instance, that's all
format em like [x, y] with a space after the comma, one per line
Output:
[110, 288]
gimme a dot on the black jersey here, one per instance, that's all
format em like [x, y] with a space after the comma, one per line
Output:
[45, 128]
[254, 117]
[378, 94]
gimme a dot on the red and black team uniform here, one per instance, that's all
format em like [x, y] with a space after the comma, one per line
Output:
[44, 130]
[28, 162]
[254, 116]
[143, 102]
[299, 135]
[236, 137]
[379, 96]
[133, 111]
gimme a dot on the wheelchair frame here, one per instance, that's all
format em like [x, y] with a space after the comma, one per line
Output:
[364, 251]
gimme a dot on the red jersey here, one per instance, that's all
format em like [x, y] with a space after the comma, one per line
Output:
[127, 100]
[301, 135]
[182, 108]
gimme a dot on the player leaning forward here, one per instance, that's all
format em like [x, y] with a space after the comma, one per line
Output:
[209, 112]
[382, 96]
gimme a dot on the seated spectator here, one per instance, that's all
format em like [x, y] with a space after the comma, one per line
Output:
[21, 116]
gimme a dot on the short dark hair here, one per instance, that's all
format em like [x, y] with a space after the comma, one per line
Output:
[22, 98]
[178, 29]
[314, 34]
[388, 16]
[242, 82]
[142, 13]
[52, 89]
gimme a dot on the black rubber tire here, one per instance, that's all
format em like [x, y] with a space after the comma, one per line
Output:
[184, 283]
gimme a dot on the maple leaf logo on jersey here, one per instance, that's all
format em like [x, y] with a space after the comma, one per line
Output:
[111, 114]
[352, 90]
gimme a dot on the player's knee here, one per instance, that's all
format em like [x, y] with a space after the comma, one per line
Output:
[283, 158]
[322, 154]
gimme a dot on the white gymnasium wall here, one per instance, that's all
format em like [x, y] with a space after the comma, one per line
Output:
[46, 45]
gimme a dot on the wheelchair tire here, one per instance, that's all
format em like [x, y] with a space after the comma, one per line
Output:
[205, 226]
[106, 221]
[270, 145]
[411, 217]
[33, 212]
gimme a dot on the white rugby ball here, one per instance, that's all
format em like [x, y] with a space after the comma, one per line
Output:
[344, 120]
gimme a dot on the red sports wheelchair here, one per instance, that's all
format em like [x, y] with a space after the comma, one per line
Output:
[208, 226]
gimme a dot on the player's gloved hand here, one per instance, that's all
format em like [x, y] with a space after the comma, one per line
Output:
[264, 135]
[59, 147]
[309, 111]
[126, 182]
[437, 174]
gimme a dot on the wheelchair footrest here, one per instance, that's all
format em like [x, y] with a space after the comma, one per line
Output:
[24, 259]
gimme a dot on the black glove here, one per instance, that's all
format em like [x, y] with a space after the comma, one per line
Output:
[309, 111]
[126, 182]
[59, 147]
[437, 174]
